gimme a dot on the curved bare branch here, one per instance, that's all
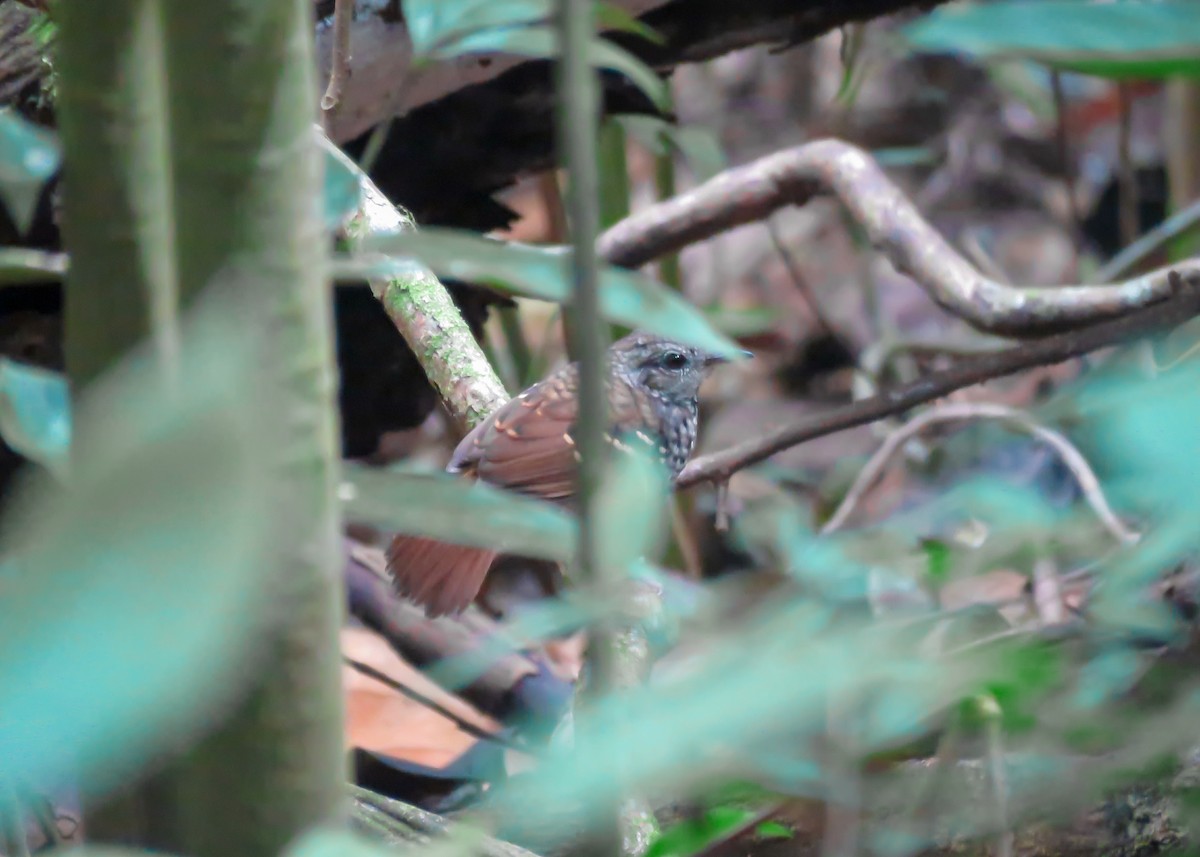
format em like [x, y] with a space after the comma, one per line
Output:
[792, 177]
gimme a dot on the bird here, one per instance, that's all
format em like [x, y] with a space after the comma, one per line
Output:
[528, 446]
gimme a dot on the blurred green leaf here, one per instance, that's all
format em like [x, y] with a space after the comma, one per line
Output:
[440, 506]
[905, 156]
[540, 42]
[29, 157]
[625, 296]
[448, 28]
[610, 17]
[630, 506]
[131, 596]
[700, 147]
[20, 265]
[343, 187]
[1118, 39]
[739, 322]
[614, 174]
[773, 830]
[694, 835]
[436, 25]
[35, 414]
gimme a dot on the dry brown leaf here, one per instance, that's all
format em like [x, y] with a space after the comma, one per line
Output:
[385, 721]
[992, 587]
[564, 657]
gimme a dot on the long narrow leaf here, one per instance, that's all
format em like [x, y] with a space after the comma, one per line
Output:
[626, 297]
[130, 596]
[455, 510]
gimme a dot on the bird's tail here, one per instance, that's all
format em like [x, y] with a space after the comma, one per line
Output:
[440, 577]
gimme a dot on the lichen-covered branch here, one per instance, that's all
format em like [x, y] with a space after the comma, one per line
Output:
[893, 224]
[425, 314]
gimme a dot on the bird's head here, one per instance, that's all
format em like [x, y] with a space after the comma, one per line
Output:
[671, 370]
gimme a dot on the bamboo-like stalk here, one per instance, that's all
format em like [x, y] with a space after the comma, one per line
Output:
[117, 222]
[577, 133]
[633, 825]
[247, 187]
[116, 204]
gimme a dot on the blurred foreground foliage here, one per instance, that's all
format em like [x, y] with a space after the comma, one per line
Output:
[133, 601]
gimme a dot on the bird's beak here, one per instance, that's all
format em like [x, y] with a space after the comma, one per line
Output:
[717, 359]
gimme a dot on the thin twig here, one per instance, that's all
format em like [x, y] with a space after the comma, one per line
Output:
[1155, 238]
[1047, 592]
[721, 524]
[416, 696]
[970, 371]
[1071, 457]
[1065, 154]
[994, 732]
[684, 539]
[801, 283]
[974, 248]
[893, 224]
[613, 655]
[339, 60]
[1127, 209]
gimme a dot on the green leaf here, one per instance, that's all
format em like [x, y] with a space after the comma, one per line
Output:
[694, 835]
[1120, 39]
[610, 17]
[130, 597]
[458, 511]
[449, 28]
[437, 27]
[343, 187]
[740, 322]
[630, 506]
[773, 830]
[625, 296]
[29, 157]
[35, 414]
[19, 265]
[700, 147]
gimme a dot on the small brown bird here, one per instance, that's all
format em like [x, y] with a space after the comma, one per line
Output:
[527, 446]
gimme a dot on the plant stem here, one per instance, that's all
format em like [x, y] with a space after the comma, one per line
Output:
[577, 144]
[116, 203]
[577, 135]
[1183, 162]
[247, 189]
[118, 225]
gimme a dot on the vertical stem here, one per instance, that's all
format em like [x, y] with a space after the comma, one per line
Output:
[1183, 159]
[1127, 210]
[669, 270]
[514, 337]
[577, 135]
[613, 180]
[1065, 153]
[117, 223]
[116, 198]
[248, 194]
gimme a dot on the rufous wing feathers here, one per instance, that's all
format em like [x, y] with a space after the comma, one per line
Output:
[442, 578]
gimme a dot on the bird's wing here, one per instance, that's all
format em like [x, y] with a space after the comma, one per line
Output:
[527, 446]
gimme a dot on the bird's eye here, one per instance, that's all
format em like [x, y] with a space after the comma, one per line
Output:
[674, 360]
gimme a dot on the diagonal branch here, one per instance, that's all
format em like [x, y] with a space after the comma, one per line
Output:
[793, 177]
[1181, 306]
